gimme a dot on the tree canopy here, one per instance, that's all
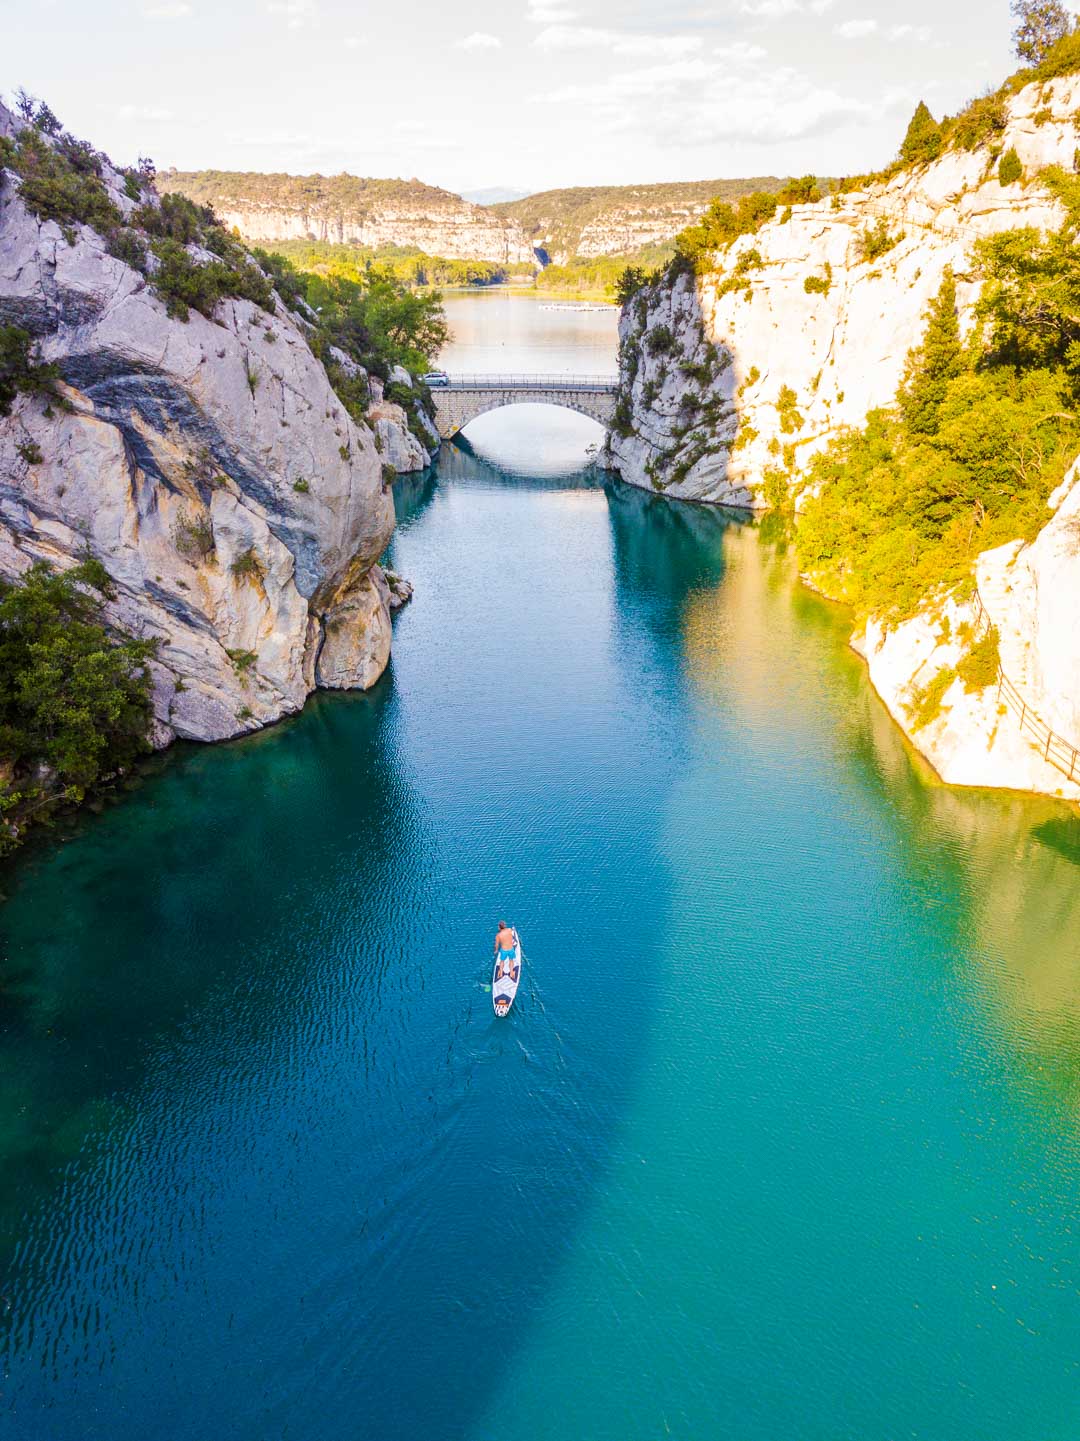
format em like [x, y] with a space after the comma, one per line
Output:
[1040, 25]
[923, 141]
[981, 434]
[74, 699]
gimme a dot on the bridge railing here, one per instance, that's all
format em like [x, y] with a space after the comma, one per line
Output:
[523, 381]
[1056, 750]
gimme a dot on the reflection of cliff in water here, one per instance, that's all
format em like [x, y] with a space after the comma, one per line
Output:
[665, 555]
[413, 494]
[995, 876]
[1017, 859]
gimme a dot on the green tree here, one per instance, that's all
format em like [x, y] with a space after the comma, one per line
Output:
[1040, 25]
[74, 701]
[17, 369]
[1010, 170]
[1031, 299]
[629, 283]
[937, 362]
[804, 191]
[923, 140]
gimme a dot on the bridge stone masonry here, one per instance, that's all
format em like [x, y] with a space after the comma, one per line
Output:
[462, 398]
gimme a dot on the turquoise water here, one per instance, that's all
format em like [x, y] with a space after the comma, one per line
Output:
[781, 1139]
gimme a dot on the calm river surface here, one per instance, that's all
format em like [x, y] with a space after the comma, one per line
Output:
[782, 1139]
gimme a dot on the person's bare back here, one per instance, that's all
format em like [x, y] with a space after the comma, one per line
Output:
[505, 943]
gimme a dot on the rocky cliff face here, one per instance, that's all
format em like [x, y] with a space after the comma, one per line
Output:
[708, 366]
[347, 210]
[1000, 736]
[749, 371]
[209, 465]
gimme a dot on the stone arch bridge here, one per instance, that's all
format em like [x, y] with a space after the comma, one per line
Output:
[462, 398]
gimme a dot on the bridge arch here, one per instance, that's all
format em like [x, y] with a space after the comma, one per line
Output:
[466, 397]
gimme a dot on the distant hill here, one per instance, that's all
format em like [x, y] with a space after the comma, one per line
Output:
[353, 210]
[591, 220]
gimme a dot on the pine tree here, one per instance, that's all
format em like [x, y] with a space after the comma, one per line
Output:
[923, 139]
[937, 362]
[1040, 24]
[1010, 170]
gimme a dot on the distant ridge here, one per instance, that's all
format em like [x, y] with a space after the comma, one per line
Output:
[591, 220]
[353, 210]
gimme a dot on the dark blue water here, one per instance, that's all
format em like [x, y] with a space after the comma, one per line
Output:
[779, 1141]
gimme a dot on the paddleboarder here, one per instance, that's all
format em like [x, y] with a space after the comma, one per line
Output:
[505, 946]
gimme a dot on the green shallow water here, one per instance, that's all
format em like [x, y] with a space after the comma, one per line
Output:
[781, 1139]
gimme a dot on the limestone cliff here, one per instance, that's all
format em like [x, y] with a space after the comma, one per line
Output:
[715, 371]
[208, 463]
[735, 378]
[1020, 735]
[350, 210]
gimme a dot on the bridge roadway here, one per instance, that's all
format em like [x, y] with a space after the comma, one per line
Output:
[465, 397]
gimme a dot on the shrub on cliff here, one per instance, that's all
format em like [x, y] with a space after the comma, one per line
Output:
[183, 282]
[1010, 170]
[800, 192]
[630, 281]
[982, 664]
[923, 141]
[877, 241]
[18, 370]
[981, 122]
[74, 700]
[60, 181]
[723, 223]
[819, 284]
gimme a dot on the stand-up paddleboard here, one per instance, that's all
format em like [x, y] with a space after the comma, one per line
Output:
[505, 979]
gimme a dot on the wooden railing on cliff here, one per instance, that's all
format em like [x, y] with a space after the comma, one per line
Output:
[1056, 750]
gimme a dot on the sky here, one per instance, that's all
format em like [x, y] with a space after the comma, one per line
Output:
[529, 94]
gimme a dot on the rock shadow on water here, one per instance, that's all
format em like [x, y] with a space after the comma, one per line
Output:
[372, 1228]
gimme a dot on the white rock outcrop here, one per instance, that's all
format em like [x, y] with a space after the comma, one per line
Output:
[209, 465]
[749, 329]
[775, 370]
[1031, 594]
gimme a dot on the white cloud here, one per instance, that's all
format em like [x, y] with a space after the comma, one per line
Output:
[781, 9]
[584, 37]
[711, 101]
[856, 29]
[167, 11]
[142, 112]
[353, 42]
[550, 12]
[741, 52]
[297, 13]
[921, 33]
[480, 40]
